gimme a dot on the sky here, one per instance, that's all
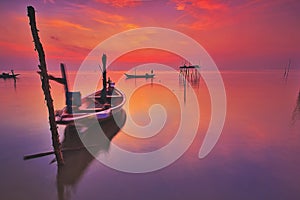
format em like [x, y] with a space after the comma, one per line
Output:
[238, 34]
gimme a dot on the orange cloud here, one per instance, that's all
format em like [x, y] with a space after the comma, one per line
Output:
[130, 26]
[63, 23]
[180, 6]
[116, 21]
[199, 4]
[199, 15]
[16, 47]
[209, 5]
[97, 15]
[101, 21]
[121, 3]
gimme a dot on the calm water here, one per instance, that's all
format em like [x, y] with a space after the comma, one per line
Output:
[256, 157]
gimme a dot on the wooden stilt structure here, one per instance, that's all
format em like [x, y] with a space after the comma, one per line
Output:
[45, 86]
[189, 73]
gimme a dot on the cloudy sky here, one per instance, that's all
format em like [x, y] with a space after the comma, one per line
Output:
[238, 34]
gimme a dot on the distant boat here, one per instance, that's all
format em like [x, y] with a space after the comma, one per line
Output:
[141, 75]
[7, 75]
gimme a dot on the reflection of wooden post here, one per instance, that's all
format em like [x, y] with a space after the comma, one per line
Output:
[45, 86]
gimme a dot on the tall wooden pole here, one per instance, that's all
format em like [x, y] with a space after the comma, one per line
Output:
[103, 92]
[45, 86]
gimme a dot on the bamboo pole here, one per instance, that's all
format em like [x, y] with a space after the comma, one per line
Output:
[45, 86]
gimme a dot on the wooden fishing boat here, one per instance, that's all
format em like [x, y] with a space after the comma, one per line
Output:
[101, 104]
[139, 76]
[92, 106]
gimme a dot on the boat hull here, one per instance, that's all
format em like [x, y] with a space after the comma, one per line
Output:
[140, 76]
[8, 76]
[116, 100]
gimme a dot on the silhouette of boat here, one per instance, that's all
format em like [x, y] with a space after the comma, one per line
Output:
[146, 75]
[7, 75]
[140, 76]
[100, 104]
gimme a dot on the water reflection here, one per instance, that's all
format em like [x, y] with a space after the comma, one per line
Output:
[296, 112]
[9, 80]
[193, 78]
[79, 158]
[15, 83]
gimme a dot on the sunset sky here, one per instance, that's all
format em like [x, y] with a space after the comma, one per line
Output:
[238, 34]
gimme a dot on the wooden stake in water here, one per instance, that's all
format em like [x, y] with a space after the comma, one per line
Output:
[45, 86]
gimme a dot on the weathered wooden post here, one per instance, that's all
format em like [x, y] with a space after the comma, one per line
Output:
[45, 86]
[67, 93]
[103, 92]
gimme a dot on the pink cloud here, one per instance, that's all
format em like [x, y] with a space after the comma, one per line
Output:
[50, 1]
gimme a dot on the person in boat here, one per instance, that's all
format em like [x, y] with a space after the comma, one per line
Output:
[110, 86]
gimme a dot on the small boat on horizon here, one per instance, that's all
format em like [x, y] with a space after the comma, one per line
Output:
[146, 75]
[7, 75]
[140, 76]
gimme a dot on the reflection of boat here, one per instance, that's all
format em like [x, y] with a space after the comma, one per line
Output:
[100, 104]
[77, 161]
[296, 112]
[140, 76]
[7, 75]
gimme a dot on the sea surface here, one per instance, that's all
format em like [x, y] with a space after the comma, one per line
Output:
[255, 157]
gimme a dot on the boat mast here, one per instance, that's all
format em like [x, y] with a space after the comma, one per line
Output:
[103, 92]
